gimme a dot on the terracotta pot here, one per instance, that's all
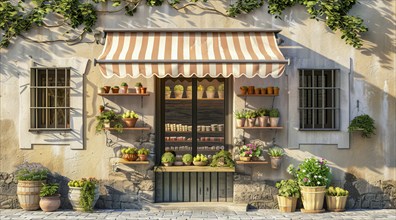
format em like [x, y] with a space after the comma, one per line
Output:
[101, 108]
[167, 94]
[257, 91]
[336, 203]
[200, 94]
[75, 195]
[130, 122]
[137, 90]
[143, 157]
[250, 89]
[287, 204]
[263, 91]
[178, 94]
[221, 94]
[276, 91]
[243, 91]
[143, 90]
[106, 89]
[312, 197]
[270, 90]
[246, 159]
[115, 90]
[251, 122]
[240, 122]
[125, 89]
[210, 94]
[274, 122]
[189, 94]
[130, 157]
[50, 203]
[29, 194]
[263, 121]
[276, 162]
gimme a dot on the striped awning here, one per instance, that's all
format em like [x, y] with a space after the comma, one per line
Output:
[187, 53]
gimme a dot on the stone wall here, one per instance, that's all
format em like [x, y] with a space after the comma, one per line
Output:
[363, 195]
[8, 189]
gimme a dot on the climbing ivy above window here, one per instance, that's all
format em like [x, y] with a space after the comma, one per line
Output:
[15, 19]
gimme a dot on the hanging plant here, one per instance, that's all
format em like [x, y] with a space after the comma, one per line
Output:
[363, 123]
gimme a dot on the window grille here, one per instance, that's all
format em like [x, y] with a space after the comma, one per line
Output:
[50, 99]
[319, 98]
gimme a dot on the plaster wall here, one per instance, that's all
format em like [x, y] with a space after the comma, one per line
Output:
[308, 44]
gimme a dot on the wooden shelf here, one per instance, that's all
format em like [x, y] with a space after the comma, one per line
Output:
[186, 141]
[208, 132]
[123, 94]
[122, 161]
[178, 99]
[131, 129]
[210, 99]
[178, 131]
[239, 162]
[210, 141]
[258, 95]
[204, 169]
[257, 128]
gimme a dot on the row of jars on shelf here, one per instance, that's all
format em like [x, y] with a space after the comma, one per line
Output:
[189, 148]
[183, 138]
[181, 127]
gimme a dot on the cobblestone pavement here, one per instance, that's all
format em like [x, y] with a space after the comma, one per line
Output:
[379, 214]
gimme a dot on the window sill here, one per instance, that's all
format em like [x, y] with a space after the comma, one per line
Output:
[38, 130]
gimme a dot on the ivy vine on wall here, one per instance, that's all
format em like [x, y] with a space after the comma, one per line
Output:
[20, 16]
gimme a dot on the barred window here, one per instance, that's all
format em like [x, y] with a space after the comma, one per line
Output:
[319, 98]
[50, 99]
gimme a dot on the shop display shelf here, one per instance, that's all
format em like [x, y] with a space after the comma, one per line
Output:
[123, 94]
[122, 161]
[210, 141]
[263, 128]
[185, 141]
[178, 132]
[178, 99]
[193, 169]
[239, 162]
[210, 99]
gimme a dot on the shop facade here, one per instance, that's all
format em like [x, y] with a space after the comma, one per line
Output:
[366, 167]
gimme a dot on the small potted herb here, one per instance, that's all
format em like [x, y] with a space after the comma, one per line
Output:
[274, 117]
[244, 90]
[178, 90]
[115, 89]
[363, 123]
[143, 153]
[263, 116]
[187, 159]
[210, 92]
[130, 118]
[138, 85]
[288, 193]
[124, 87]
[168, 159]
[50, 198]
[276, 154]
[336, 199]
[251, 116]
[240, 118]
[220, 91]
[129, 153]
[167, 92]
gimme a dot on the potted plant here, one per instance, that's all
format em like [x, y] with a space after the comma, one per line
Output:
[276, 154]
[250, 90]
[220, 91]
[143, 90]
[104, 120]
[210, 92]
[101, 108]
[167, 92]
[189, 92]
[168, 159]
[124, 87]
[143, 153]
[270, 90]
[138, 85]
[130, 118]
[200, 91]
[276, 90]
[274, 117]
[178, 90]
[115, 89]
[83, 193]
[245, 153]
[288, 193]
[101, 90]
[363, 123]
[200, 160]
[263, 91]
[106, 89]
[336, 199]
[257, 90]
[129, 153]
[263, 116]
[244, 90]
[222, 159]
[50, 199]
[251, 118]
[187, 159]
[31, 177]
[312, 176]
[240, 118]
